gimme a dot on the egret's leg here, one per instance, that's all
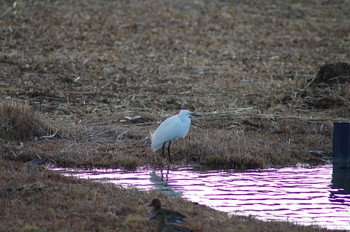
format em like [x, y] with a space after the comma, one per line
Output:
[163, 154]
[169, 152]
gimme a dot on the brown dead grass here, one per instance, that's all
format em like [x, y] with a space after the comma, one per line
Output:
[218, 143]
[20, 122]
[242, 144]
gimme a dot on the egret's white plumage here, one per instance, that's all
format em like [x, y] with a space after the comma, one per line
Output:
[172, 128]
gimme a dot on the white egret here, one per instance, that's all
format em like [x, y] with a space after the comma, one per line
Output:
[172, 128]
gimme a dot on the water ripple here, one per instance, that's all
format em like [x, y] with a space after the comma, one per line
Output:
[301, 195]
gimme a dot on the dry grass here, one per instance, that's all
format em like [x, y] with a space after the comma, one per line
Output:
[245, 145]
[218, 143]
[20, 122]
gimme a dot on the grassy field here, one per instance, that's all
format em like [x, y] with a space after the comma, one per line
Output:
[84, 82]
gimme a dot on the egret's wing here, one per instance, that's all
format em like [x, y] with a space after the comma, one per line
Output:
[163, 125]
[167, 131]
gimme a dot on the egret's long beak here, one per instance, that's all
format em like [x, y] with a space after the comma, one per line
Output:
[195, 115]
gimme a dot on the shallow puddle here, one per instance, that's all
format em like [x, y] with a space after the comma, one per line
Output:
[307, 196]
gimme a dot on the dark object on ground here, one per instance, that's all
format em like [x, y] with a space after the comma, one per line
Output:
[335, 73]
[164, 226]
[171, 215]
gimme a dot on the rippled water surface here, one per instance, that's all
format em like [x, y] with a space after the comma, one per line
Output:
[302, 195]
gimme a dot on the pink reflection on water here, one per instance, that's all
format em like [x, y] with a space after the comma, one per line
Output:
[300, 195]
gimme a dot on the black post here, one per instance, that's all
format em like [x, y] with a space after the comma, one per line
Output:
[341, 157]
[341, 144]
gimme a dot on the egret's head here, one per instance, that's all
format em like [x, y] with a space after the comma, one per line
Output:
[184, 113]
[187, 113]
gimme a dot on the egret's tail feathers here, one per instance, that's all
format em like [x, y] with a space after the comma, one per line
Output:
[154, 146]
[152, 135]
